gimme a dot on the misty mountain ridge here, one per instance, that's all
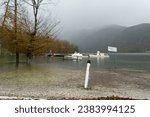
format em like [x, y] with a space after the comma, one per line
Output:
[127, 39]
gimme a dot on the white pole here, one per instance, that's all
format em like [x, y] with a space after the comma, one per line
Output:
[87, 74]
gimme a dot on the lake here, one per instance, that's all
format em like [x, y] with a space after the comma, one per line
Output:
[130, 61]
[125, 75]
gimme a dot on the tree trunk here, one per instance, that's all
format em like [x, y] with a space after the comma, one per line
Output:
[15, 29]
[17, 59]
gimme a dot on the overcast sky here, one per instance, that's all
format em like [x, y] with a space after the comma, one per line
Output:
[90, 14]
[93, 14]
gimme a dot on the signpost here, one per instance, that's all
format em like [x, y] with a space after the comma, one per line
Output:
[114, 50]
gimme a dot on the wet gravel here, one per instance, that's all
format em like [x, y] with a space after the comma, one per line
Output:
[44, 84]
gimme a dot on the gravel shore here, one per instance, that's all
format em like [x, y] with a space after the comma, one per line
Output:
[45, 84]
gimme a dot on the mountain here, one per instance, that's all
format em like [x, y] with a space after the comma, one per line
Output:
[127, 39]
[97, 40]
[134, 39]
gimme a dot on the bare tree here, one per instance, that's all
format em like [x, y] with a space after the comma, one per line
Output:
[6, 22]
[40, 28]
[30, 35]
[6, 12]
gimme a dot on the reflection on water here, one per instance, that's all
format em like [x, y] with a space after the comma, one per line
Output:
[118, 61]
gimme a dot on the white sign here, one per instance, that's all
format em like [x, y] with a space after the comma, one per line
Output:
[112, 49]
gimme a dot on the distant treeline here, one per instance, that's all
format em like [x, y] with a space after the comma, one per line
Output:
[40, 45]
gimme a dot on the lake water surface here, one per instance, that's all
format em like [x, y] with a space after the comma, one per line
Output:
[125, 75]
[133, 61]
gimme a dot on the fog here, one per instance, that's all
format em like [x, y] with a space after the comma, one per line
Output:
[93, 14]
[76, 15]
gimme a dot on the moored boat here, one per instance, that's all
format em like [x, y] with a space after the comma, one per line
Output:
[99, 54]
[75, 56]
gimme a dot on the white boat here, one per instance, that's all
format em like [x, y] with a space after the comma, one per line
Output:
[99, 54]
[75, 56]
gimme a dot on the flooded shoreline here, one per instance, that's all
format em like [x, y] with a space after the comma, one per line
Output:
[52, 77]
[43, 83]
